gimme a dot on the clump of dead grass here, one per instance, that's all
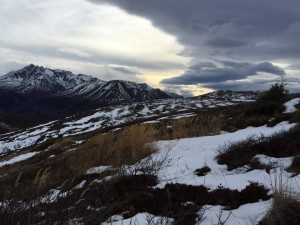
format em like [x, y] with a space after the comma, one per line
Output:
[295, 166]
[195, 126]
[127, 146]
[285, 207]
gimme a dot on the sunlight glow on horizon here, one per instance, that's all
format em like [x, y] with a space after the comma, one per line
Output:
[87, 38]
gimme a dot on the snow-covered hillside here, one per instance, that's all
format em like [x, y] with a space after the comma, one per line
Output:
[32, 79]
[149, 112]
[71, 164]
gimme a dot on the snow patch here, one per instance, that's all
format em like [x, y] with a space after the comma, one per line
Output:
[98, 169]
[276, 162]
[246, 214]
[18, 158]
[138, 219]
[290, 105]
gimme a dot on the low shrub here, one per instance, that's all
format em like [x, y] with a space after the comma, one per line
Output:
[255, 164]
[282, 144]
[127, 196]
[296, 117]
[232, 199]
[202, 171]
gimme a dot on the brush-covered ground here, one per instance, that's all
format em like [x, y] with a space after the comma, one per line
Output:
[157, 163]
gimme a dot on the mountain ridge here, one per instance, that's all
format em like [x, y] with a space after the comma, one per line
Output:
[46, 94]
[41, 80]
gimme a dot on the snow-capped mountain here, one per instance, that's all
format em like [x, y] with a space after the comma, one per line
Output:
[39, 80]
[48, 94]
[116, 91]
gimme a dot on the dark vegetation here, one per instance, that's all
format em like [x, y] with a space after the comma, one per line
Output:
[129, 195]
[42, 107]
[283, 144]
[10, 122]
[195, 126]
[270, 102]
[285, 208]
[202, 171]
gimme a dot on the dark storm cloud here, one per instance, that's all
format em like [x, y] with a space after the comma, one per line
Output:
[225, 43]
[200, 65]
[221, 24]
[228, 71]
[241, 85]
[291, 84]
[251, 30]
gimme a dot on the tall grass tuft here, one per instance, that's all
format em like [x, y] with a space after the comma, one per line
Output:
[127, 146]
[285, 207]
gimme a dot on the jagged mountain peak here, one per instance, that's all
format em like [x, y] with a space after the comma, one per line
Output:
[39, 80]
[128, 84]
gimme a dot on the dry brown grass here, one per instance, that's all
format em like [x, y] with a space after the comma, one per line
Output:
[127, 146]
[195, 126]
[61, 143]
[295, 167]
[285, 208]
[38, 175]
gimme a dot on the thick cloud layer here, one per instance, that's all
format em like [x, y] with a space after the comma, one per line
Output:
[229, 71]
[251, 34]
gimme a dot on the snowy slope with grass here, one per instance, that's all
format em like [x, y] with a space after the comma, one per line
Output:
[152, 111]
[185, 156]
[189, 154]
[118, 166]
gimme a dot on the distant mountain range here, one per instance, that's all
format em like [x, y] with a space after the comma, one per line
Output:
[40, 80]
[47, 94]
[230, 96]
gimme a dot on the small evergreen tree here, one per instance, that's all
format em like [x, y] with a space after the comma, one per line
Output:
[270, 102]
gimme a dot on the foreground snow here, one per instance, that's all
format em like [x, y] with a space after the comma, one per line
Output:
[190, 154]
[187, 155]
[246, 214]
[138, 219]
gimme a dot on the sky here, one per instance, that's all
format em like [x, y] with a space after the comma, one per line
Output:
[189, 47]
